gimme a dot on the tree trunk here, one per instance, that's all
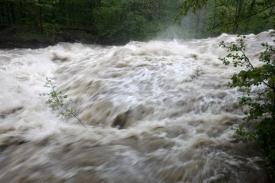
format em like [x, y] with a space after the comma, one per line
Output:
[215, 12]
[251, 8]
[197, 24]
[40, 18]
[239, 4]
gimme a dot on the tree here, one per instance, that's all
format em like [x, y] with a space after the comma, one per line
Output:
[259, 86]
[235, 16]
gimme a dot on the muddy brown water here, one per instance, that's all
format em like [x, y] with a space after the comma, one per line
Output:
[154, 112]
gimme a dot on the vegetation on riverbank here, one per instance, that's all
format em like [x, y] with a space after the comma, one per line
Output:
[35, 23]
[258, 84]
[88, 21]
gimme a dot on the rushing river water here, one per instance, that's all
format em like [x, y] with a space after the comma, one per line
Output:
[154, 112]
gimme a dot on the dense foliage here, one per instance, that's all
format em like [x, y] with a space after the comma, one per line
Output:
[118, 21]
[103, 21]
[212, 17]
[259, 86]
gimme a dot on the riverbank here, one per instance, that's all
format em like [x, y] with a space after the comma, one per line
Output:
[22, 37]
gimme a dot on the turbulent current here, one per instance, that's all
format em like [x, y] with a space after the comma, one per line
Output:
[153, 112]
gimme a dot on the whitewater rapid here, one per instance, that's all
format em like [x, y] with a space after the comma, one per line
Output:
[154, 112]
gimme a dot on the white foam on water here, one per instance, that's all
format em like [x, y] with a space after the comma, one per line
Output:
[157, 111]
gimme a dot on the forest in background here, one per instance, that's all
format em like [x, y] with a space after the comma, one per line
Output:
[119, 21]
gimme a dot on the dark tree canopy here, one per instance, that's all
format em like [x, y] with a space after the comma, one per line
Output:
[102, 21]
[119, 21]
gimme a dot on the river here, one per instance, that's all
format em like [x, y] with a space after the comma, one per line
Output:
[152, 112]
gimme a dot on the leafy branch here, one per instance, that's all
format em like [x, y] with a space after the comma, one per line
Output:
[259, 86]
[56, 101]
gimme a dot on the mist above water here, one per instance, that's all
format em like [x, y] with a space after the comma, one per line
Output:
[157, 111]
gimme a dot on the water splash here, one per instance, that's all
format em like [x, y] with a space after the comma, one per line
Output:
[158, 111]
